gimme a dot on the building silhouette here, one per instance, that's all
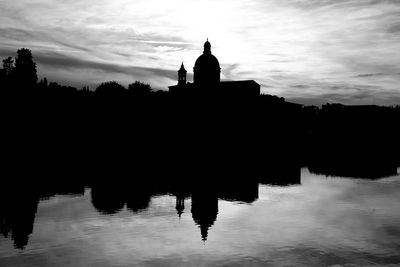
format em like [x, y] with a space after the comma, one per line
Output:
[207, 79]
[182, 75]
[204, 210]
[206, 69]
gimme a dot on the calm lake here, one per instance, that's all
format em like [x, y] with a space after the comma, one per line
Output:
[317, 220]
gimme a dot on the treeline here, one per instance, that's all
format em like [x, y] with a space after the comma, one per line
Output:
[113, 127]
[19, 76]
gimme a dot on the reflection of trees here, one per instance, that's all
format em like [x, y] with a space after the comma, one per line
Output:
[23, 220]
[108, 199]
[237, 190]
[111, 198]
[17, 216]
[138, 198]
[18, 207]
[367, 170]
[283, 174]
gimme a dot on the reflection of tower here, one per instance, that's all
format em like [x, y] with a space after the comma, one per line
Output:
[204, 211]
[181, 191]
[182, 75]
[206, 69]
[180, 205]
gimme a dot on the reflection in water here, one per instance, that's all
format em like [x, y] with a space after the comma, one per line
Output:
[366, 170]
[282, 174]
[108, 199]
[180, 205]
[204, 210]
[18, 207]
[234, 217]
[17, 211]
[17, 215]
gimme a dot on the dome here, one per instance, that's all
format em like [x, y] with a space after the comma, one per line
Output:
[206, 69]
[206, 61]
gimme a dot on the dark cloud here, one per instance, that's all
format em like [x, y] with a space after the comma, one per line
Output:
[16, 34]
[156, 39]
[369, 75]
[341, 93]
[337, 3]
[35, 35]
[300, 86]
[56, 60]
[394, 28]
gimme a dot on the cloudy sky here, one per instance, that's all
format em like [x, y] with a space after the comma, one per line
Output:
[308, 51]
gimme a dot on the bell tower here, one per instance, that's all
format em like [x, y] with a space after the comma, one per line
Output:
[182, 75]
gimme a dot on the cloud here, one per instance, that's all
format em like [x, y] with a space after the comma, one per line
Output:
[59, 60]
[369, 75]
[127, 73]
[345, 46]
[229, 71]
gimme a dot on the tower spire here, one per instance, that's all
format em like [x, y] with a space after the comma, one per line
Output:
[182, 75]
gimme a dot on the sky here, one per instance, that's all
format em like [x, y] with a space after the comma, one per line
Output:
[308, 51]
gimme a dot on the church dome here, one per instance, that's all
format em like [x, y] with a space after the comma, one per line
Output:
[207, 69]
[207, 61]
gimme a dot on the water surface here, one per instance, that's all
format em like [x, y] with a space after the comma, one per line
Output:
[317, 221]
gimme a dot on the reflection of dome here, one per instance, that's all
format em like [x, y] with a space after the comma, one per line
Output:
[204, 212]
[206, 69]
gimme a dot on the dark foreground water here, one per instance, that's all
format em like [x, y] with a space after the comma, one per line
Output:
[317, 221]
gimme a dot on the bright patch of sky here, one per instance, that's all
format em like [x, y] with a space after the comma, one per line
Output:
[305, 50]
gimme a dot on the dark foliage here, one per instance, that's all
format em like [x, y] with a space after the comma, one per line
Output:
[25, 68]
[110, 89]
[114, 129]
[139, 89]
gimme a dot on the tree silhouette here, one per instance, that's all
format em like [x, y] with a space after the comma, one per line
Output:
[25, 68]
[7, 73]
[8, 66]
[111, 88]
[138, 88]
